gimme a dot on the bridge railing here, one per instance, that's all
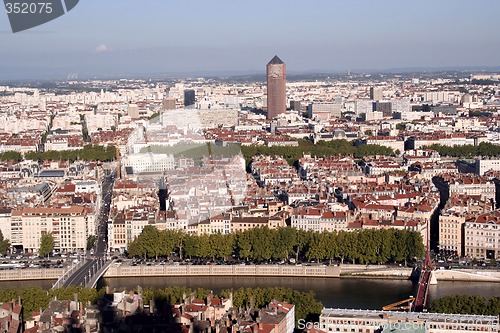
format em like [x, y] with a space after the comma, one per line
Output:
[96, 272]
[67, 273]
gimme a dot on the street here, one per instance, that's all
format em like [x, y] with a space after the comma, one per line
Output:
[93, 262]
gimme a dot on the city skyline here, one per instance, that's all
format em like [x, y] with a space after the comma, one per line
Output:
[102, 39]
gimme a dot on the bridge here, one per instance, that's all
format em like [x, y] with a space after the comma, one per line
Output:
[85, 273]
[420, 302]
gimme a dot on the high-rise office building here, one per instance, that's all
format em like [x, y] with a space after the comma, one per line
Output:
[296, 106]
[133, 111]
[276, 87]
[189, 97]
[168, 103]
[384, 107]
[376, 93]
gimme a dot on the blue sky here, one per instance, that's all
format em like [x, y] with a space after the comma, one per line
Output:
[222, 36]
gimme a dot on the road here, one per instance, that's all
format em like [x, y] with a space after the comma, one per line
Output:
[93, 261]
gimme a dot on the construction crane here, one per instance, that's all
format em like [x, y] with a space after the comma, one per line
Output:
[397, 306]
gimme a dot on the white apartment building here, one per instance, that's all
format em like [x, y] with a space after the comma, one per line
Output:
[57, 144]
[218, 224]
[477, 188]
[324, 111]
[450, 232]
[5, 226]
[372, 321]
[396, 143]
[482, 237]
[149, 162]
[485, 165]
[315, 220]
[199, 118]
[104, 121]
[68, 226]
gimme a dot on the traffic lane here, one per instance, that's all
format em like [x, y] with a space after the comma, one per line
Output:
[101, 246]
[74, 278]
[78, 277]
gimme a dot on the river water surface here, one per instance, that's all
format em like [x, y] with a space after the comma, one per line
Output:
[358, 293]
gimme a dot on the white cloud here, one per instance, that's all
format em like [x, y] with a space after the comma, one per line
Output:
[102, 48]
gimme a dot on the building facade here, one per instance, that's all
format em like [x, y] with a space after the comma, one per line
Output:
[450, 233]
[373, 321]
[482, 236]
[276, 87]
[189, 97]
[68, 226]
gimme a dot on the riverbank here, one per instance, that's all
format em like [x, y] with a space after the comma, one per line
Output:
[375, 271]
[468, 275]
[31, 274]
[388, 272]
[117, 270]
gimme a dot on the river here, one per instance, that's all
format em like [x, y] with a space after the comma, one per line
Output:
[343, 292]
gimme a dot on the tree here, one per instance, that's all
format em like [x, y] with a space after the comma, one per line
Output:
[302, 240]
[11, 156]
[243, 245]
[190, 246]
[46, 244]
[4, 244]
[286, 240]
[467, 304]
[90, 242]
[180, 237]
[151, 241]
[318, 247]
[401, 126]
[262, 244]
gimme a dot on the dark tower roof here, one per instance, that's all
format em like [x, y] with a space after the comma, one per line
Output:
[275, 61]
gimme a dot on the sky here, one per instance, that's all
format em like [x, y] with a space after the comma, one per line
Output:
[126, 37]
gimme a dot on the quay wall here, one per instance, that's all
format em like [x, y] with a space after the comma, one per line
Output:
[31, 274]
[223, 270]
